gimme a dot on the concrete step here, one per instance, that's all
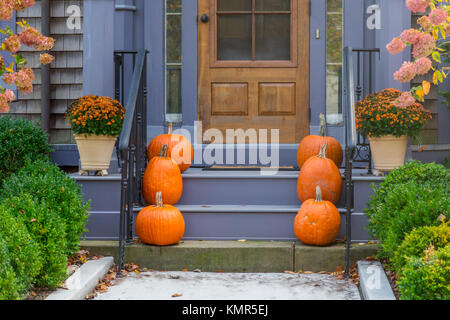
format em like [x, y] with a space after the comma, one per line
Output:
[234, 256]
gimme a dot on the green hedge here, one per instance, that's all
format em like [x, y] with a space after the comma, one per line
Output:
[48, 231]
[407, 199]
[20, 140]
[426, 278]
[418, 241]
[60, 194]
[23, 252]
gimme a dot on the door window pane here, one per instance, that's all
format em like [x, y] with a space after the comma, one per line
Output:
[334, 60]
[273, 37]
[173, 38]
[234, 37]
[234, 5]
[174, 6]
[273, 5]
[173, 58]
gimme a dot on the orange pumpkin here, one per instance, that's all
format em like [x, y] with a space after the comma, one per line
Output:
[180, 149]
[323, 172]
[317, 222]
[162, 174]
[161, 224]
[310, 146]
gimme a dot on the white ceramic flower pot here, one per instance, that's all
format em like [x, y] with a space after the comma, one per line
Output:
[388, 152]
[95, 152]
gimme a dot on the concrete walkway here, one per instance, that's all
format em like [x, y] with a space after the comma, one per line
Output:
[225, 286]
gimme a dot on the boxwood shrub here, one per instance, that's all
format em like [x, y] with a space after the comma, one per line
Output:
[48, 230]
[20, 139]
[419, 240]
[55, 190]
[389, 196]
[426, 278]
[23, 253]
[9, 284]
[411, 205]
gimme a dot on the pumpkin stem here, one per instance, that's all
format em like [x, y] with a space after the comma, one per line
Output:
[164, 150]
[318, 194]
[170, 128]
[323, 151]
[159, 202]
[323, 125]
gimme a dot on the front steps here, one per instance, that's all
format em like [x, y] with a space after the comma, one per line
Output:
[235, 256]
[226, 205]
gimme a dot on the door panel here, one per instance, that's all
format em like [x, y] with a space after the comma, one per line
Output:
[254, 66]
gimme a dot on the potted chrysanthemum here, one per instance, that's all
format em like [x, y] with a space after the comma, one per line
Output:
[388, 118]
[96, 122]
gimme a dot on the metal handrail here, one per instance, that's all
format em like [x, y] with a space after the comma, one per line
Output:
[132, 146]
[124, 140]
[348, 104]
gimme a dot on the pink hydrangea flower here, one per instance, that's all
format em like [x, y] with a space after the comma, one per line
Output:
[417, 5]
[424, 46]
[406, 73]
[396, 46]
[29, 36]
[9, 78]
[10, 95]
[423, 65]
[46, 58]
[438, 16]
[411, 36]
[24, 80]
[425, 23]
[12, 43]
[22, 4]
[44, 43]
[6, 9]
[406, 99]
[4, 106]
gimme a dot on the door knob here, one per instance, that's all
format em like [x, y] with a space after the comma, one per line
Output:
[204, 18]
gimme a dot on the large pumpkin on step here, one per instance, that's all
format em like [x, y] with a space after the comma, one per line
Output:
[323, 172]
[162, 174]
[180, 149]
[161, 224]
[310, 146]
[317, 222]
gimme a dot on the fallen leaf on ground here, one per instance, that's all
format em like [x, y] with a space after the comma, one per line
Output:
[242, 240]
[176, 295]
[197, 270]
[308, 272]
[289, 272]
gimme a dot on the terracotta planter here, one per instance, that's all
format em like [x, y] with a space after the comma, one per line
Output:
[95, 152]
[388, 152]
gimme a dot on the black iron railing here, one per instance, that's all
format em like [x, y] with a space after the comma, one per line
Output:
[363, 86]
[132, 141]
[348, 103]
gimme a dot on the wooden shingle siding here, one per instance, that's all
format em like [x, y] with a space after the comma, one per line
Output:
[429, 134]
[66, 75]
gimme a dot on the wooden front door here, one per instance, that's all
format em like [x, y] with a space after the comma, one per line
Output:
[254, 66]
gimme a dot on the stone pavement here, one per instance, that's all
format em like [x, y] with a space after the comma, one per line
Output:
[230, 286]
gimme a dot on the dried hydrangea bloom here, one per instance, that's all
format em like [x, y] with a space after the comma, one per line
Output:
[396, 46]
[44, 43]
[423, 65]
[411, 36]
[417, 5]
[24, 80]
[425, 23]
[406, 73]
[9, 78]
[46, 58]
[12, 43]
[424, 46]
[406, 99]
[29, 36]
[438, 16]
